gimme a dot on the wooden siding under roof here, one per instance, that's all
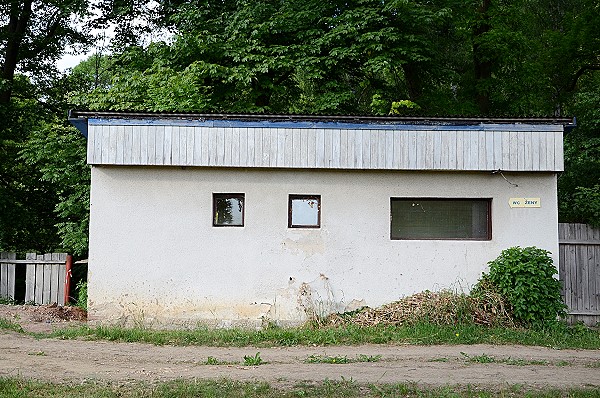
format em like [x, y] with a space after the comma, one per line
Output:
[480, 147]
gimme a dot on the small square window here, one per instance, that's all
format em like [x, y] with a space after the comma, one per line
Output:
[304, 211]
[228, 209]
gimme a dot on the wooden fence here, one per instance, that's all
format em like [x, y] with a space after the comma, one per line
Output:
[7, 275]
[579, 271]
[46, 280]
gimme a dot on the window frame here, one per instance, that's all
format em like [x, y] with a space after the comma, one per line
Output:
[219, 195]
[293, 197]
[488, 201]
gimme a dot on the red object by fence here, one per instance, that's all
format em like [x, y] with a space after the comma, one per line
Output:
[68, 275]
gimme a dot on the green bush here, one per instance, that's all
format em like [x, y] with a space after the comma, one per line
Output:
[82, 295]
[525, 276]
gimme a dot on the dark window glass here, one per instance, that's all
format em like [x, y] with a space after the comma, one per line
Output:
[304, 211]
[418, 218]
[228, 209]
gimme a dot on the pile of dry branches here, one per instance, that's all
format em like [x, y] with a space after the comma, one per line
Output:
[446, 307]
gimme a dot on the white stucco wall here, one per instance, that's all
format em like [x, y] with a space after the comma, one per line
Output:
[156, 259]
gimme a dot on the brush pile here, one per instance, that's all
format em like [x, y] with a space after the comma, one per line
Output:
[56, 313]
[482, 307]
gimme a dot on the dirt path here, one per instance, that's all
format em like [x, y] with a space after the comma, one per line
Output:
[78, 360]
[75, 361]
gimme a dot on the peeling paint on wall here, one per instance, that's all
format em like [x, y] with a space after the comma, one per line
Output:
[307, 244]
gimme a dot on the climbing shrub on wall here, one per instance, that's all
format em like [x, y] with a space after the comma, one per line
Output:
[525, 276]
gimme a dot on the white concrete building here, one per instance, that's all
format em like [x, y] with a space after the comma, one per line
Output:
[235, 219]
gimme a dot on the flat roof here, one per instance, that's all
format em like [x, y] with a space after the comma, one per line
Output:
[425, 120]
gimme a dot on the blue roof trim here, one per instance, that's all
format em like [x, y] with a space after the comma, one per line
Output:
[314, 125]
[81, 125]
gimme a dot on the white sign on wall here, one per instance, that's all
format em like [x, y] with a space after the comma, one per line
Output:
[524, 202]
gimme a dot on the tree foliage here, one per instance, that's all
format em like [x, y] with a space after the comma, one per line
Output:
[58, 153]
[449, 57]
[289, 56]
[479, 58]
[26, 202]
[33, 35]
[578, 185]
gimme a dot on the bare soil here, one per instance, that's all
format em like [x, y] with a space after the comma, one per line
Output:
[43, 318]
[75, 361]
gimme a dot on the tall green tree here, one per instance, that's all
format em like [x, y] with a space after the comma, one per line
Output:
[34, 34]
[26, 202]
[530, 54]
[579, 185]
[58, 153]
[279, 56]
[450, 57]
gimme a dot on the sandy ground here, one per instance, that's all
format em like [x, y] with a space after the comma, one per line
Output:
[75, 361]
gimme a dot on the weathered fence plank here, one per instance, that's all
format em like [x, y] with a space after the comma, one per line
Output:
[47, 280]
[54, 281]
[39, 281]
[30, 279]
[62, 275]
[7, 276]
[579, 270]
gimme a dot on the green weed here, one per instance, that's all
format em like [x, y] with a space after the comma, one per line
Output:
[215, 361]
[255, 360]
[368, 358]
[82, 295]
[7, 300]
[483, 358]
[10, 325]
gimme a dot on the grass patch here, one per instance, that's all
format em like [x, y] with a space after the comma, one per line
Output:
[16, 387]
[327, 359]
[368, 358]
[525, 362]
[484, 358]
[342, 359]
[7, 300]
[562, 363]
[6, 324]
[555, 335]
[215, 361]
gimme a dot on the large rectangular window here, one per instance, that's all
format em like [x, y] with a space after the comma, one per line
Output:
[304, 211]
[228, 209]
[426, 218]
